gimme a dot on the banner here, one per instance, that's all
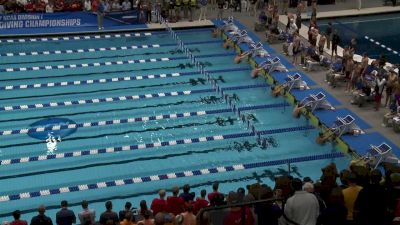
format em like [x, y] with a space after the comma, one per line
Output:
[64, 19]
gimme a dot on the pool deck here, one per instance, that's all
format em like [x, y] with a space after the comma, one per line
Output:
[345, 8]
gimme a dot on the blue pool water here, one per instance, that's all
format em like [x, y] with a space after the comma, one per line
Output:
[384, 31]
[109, 111]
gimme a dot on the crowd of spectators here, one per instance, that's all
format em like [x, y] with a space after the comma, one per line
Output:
[362, 197]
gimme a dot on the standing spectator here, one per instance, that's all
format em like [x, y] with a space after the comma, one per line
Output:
[380, 83]
[100, 14]
[87, 216]
[371, 201]
[109, 215]
[200, 202]
[220, 4]
[350, 195]
[17, 221]
[41, 219]
[236, 214]
[215, 192]
[335, 43]
[176, 205]
[359, 2]
[87, 5]
[353, 44]
[335, 213]
[188, 197]
[143, 209]
[126, 5]
[147, 219]
[329, 33]
[296, 47]
[65, 216]
[285, 5]
[299, 9]
[203, 9]
[391, 81]
[393, 197]
[364, 62]
[302, 207]
[126, 209]
[128, 220]
[159, 204]
[321, 43]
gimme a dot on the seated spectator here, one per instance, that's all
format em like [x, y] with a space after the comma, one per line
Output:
[159, 204]
[87, 5]
[87, 216]
[40, 6]
[126, 209]
[30, 7]
[2, 10]
[59, 6]
[126, 5]
[115, 6]
[147, 218]
[49, 7]
[109, 215]
[200, 202]
[17, 219]
[41, 219]
[235, 214]
[75, 6]
[176, 205]
[107, 6]
[188, 217]
[95, 3]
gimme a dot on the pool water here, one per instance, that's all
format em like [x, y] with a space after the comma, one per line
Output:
[79, 112]
[375, 34]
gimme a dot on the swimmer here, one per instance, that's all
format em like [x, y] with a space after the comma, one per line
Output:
[276, 91]
[216, 32]
[297, 110]
[228, 43]
[324, 137]
[256, 71]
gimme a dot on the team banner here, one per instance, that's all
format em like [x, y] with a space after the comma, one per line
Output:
[65, 19]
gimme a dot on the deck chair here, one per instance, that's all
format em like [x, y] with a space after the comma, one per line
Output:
[295, 81]
[271, 65]
[382, 153]
[345, 125]
[317, 101]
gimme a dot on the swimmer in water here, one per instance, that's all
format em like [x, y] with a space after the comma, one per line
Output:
[297, 110]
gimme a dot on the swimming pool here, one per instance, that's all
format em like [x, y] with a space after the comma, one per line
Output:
[120, 116]
[375, 34]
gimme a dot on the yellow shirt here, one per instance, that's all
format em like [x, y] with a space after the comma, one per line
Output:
[350, 196]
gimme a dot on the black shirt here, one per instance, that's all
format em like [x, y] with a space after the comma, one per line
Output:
[109, 215]
[65, 217]
[41, 220]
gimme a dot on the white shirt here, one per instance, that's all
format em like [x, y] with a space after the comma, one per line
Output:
[49, 8]
[126, 5]
[88, 5]
[302, 208]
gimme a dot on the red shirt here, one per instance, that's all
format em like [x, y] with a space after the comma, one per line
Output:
[212, 195]
[199, 204]
[235, 217]
[19, 222]
[176, 205]
[159, 205]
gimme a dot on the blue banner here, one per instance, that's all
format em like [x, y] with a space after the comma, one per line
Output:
[64, 19]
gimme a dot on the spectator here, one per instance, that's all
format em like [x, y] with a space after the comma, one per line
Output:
[380, 83]
[188, 197]
[236, 214]
[200, 202]
[175, 204]
[321, 43]
[350, 195]
[220, 4]
[371, 201]
[2, 10]
[329, 32]
[41, 219]
[109, 215]
[335, 213]
[215, 192]
[159, 204]
[302, 207]
[335, 43]
[101, 9]
[59, 6]
[126, 5]
[17, 221]
[127, 209]
[147, 220]
[203, 9]
[267, 212]
[87, 216]
[65, 216]
[143, 209]
[128, 220]
[49, 7]
[393, 196]
[115, 6]
[188, 217]
[87, 5]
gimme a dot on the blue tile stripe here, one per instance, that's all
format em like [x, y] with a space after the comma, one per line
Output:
[72, 51]
[119, 98]
[72, 38]
[134, 120]
[97, 64]
[144, 146]
[108, 80]
[167, 176]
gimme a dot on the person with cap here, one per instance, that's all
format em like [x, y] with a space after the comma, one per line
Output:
[159, 204]
[41, 219]
[176, 204]
[17, 219]
[302, 207]
[350, 195]
[65, 216]
[235, 214]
